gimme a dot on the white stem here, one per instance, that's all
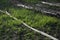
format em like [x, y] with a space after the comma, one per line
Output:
[38, 31]
[52, 4]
